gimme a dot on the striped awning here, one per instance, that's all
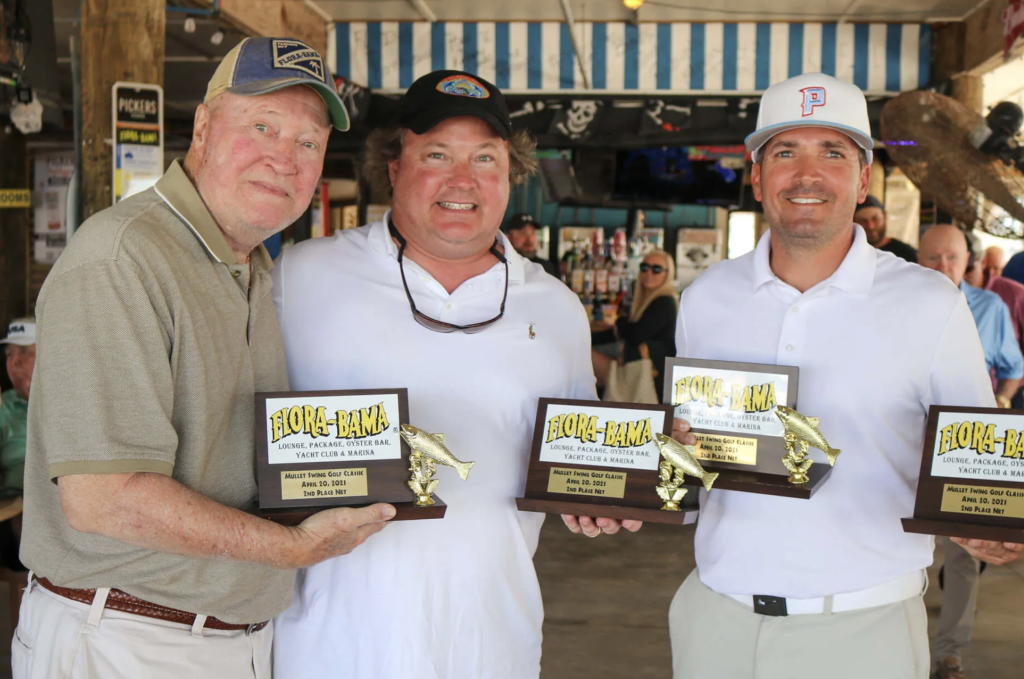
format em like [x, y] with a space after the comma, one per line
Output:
[625, 58]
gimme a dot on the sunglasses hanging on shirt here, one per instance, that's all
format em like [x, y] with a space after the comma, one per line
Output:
[432, 323]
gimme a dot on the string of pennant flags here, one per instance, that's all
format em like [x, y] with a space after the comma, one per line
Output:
[625, 58]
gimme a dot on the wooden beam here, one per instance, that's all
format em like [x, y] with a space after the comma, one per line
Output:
[122, 40]
[973, 46]
[273, 18]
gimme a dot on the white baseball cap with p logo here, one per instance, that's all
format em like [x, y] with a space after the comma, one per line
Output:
[812, 100]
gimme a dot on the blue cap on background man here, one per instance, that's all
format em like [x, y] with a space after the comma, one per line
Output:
[263, 65]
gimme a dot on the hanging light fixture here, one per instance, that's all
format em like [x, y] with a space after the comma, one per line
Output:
[190, 25]
[218, 37]
[633, 4]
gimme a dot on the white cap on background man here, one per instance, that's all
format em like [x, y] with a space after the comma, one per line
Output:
[21, 332]
[812, 100]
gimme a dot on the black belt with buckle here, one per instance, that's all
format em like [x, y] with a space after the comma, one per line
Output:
[770, 605]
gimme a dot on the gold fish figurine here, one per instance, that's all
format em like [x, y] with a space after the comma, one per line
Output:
[805, 429]
[683, 458]
[432, 447]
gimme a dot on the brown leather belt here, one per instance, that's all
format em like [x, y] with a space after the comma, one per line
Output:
[126, 603]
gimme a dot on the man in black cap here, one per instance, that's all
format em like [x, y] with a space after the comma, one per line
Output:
[521, 230]
[444, 306]
[871, 216]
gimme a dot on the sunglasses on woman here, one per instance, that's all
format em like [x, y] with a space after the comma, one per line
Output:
[654, 268]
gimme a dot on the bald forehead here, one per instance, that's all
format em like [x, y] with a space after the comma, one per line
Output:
[944, 237]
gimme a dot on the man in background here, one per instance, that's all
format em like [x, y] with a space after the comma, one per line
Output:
[521, 230]
[871, 216]
[984, 274]
[946, 249]
[20, 348]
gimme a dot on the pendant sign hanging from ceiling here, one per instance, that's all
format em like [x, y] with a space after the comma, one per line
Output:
[138, 125]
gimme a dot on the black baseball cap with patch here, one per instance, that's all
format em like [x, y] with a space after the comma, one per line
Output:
[441, 95]
[520, 221]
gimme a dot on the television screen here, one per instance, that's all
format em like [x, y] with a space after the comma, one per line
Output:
[687, 174]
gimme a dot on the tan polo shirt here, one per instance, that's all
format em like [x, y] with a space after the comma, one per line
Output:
[151, 342]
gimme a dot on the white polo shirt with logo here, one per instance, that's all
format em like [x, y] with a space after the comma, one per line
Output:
[455, 598]
[877, 343]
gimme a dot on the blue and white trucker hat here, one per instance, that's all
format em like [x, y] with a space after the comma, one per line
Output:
[812, 100]
[261, 65]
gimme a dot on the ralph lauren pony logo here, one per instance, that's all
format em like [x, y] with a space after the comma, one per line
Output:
[300, 56]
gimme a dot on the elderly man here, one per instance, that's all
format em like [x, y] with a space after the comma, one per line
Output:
[20, 347]
[521, 230]
[441, 300]
[156, 329]
[830, 587]
[870, 215]
[985, 274]
[946, 249]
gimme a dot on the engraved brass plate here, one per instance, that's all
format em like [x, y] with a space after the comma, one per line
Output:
[986, 500]
[587, 482]
[323, 483]
[715, 448]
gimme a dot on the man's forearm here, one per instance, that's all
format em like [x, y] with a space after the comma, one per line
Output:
[156, 512]
[1005, 389]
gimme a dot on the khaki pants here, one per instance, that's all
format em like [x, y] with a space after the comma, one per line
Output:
[959, 599]
[716, 637]
[58, 638]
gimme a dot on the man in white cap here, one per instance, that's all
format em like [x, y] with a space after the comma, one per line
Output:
[20, 350]
[827, 587]
[156, 329]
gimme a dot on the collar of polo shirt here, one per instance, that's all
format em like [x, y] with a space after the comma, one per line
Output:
[381, 242]
[181, 196]
[855, 275]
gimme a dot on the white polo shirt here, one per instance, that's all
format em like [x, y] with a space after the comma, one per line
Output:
[871, 393]
[455, 598]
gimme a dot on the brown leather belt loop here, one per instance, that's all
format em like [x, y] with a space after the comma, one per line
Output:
[126, 603]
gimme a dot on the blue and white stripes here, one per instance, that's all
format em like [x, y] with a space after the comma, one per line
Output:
[702, 58]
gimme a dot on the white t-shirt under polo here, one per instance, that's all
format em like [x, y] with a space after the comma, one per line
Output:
[871, 393]
[455, 598]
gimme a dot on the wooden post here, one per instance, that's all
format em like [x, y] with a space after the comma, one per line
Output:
[122, 40]
[15, 238]
[967, 89]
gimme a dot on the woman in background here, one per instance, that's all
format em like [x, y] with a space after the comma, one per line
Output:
[649, 329]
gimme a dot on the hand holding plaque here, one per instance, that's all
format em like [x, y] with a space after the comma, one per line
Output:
[322, 449]
[610, 460]
[972, 475]
[746, 428]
